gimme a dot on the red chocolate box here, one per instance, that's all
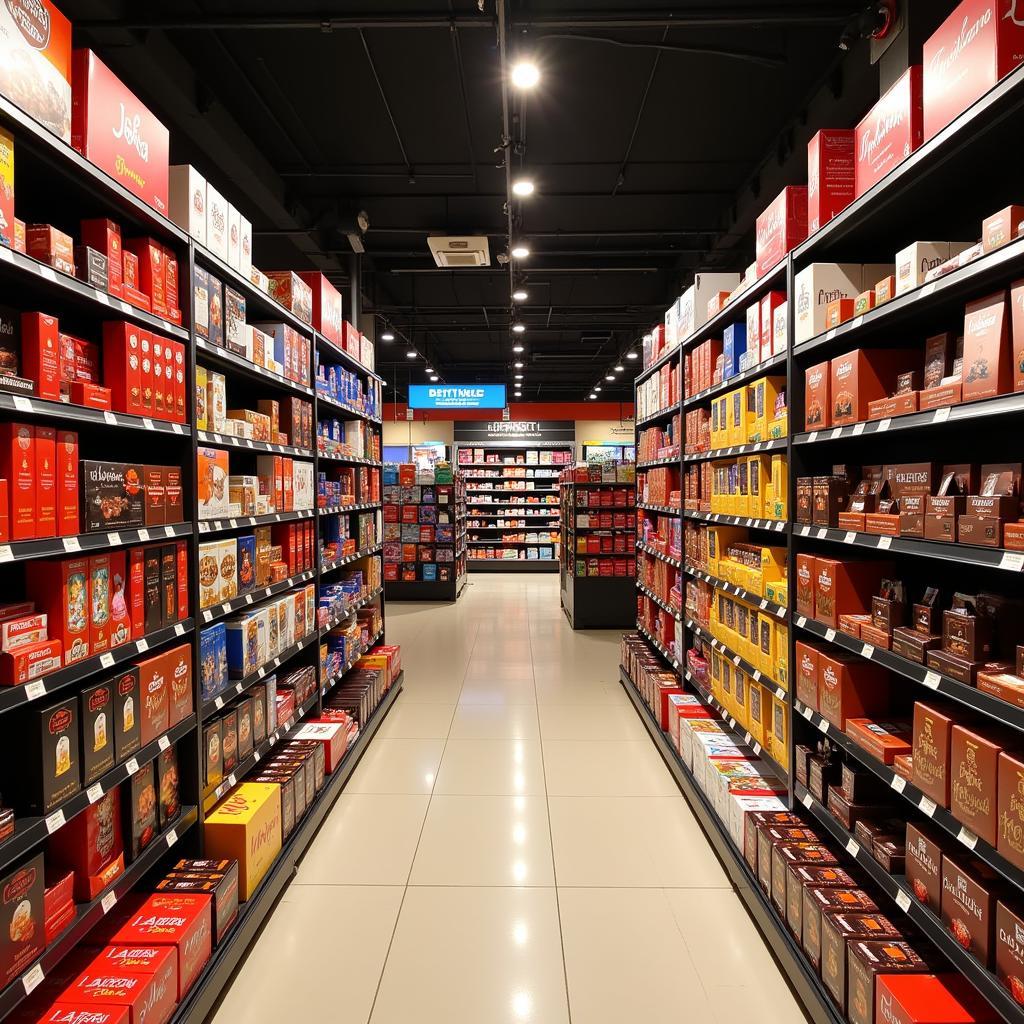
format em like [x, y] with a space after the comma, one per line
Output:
[861, 377]
[930, 999]
[90, 844]
[140, 959]
[781, 227]
[149, 998]
[830, 175]
[891, 131]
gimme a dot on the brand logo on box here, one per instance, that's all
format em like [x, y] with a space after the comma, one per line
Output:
[130, 129]
[33, 21]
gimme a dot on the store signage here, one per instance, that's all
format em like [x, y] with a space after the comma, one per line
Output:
[543, 431]
[457, 396]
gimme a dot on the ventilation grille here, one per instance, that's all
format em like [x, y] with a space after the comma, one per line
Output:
[459, 251]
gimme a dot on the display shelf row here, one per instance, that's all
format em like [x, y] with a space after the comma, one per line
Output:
[236, 689]
[774, 525]
[667, 510]
[230, 441]
[339, 407]
[510, 490]
[663, 605]
[349, 460]
[659, 647]
[245, 522]
[897, 890]
[661, 414]
[337, 677]
[962, 554]
[350, 610]
[261, 594]
[762, 368]
[668, 460]
[774, 445]
[661, 556]
[206, 350]
[349, 559]
[12, 697]
[336, 351]
[334, 510]
[66, 412]
[755, 673]
[778, 610]
[970, 696]
[46, 547]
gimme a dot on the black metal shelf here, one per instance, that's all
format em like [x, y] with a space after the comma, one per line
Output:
[962, 554]
[329, 404]
[27, 550]
[772, 525]
[239, 686]
[897, 889]
[335, 351]
[660, 647]
[245, 522]
[205, 350]
[254, 596]
[335, 510]
[667, 460]
[662, 604]
[351, 460]
[668, 559]
[941, 816]
[24, 693]
[772, 445]
[327, 567]
[338, 619]
[510, 490]
[755, 673]
[219, 971]
[30, 832]
[507, 544]
[736, 379]
[773, 929]
[337, 677]
[230, 441]
[970, 696]
[88, 915]
[778, 610]
[661, 414]
[664, 509]
[65, 412]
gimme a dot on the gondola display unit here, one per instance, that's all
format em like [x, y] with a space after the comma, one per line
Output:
[424, 532]
[513, 511]
[598, 545]
[830, 551]
[190, 537]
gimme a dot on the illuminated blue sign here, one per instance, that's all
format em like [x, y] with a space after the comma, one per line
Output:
[457, 396]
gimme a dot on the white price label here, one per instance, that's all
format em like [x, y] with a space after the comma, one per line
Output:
[177, 428]
[142, 645]
[830, 635]
[106, 660]
[143, 534]
[850, 537]
[131, 766]
[823, 726]
[48, 272]
[903, 901]
[256, 755]
[858, 429]
[822, 533]
[102, 297]
[941, 415]
[780, 693]
[33, 691]
[172, 837]
[31, 980]
[852, 847]
[225, 607]
[898, 783]
[867, 651]
[804, 531]
[147, 423]
[113, 538]
[233, 523]
[764, 604]
[808, 800]
[168, 531]
[277, 663]
[801, 621]
[207, 615]
[23, 404]
[54, 822]
[108, 901]
[232, 781]
[218, 703]
[736, 659]
[71, 544]
[927, 290]
[179, 629]
[746, 737]
[884, 543]
[248, 598]
[1012, 560]
[927, 805]
[884, 425]
[6, 554]
[813, 437]
[163, 743]
[806, 712]
[968, 838]
[95, 792]
[932, 680]
[837, 433]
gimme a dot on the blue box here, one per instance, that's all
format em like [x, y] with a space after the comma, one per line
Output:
[213, 660]
[430, 573]
[734, 344]
[246, 551]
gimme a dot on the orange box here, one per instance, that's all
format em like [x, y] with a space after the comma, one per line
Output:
[1000, 228]
[155, 703]
[850, 687]
[61, 589]
[807, 672]
[864, 376]
[844, 588]
[805, 576]
[987, 370]
[40, 353]
[18, 468]
[838, 312]
[817, 400]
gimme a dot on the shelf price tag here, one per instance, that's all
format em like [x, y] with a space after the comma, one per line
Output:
[968, 838]
[108, 901]
[932, 680]
[23, 404]
[884, 425]
[858, 429]
[31, 980]
[1012, 560]
[801, 621]
[884, 543]
[812, 437]
[142, 645]
[106, 660]
[143, 534]
[850, 537]
[33, 691]
[927, 805]
[110, 418]
[95, 792]
[131, 766]
[808, 800]
[852, 847]
[147, 423]
[179, 629]
[941, 415]
[71, 544]
[163, 743]
[6, 554]
[172, 837]
[867, 651]
[54, 822]
[898, 783]
[218, 703]
[837, 433]
[113, 538]
[830, 635]
[903, 901]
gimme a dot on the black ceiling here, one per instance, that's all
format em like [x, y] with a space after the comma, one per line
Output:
[647, 126]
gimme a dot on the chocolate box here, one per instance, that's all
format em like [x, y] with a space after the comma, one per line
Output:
[884, 741]
[213, 755]
[861, 377]
[842, 588]
[830, 175]
[140, 809]
[1009, 955]
[221, 886]
[969, 891]
[112, 495]
[840, 930]
[96, 715]
[155, 698]
[91, 845]
[780, 227]
[987, 367]
[891, 131]
[44, 761]
[21, 918]
[1010, 808]
[126, 713]
[167, 786]
[850, 687]
[917, 998]
[817, 397]
[933, 727]
[866, 961]
[246, 826]
[973, 767]
[924, 865]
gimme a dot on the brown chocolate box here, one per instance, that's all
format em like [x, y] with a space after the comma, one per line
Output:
[1010, 807]
[805, 877]
[850, 687]
[973, 767]
[837, 931]
[865, 962]
[933, 727]
[1010, 949]
[969, 891]
[924, 865]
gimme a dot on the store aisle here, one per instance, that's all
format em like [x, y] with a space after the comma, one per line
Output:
[511, 849]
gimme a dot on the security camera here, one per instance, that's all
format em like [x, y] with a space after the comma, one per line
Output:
[872, 22]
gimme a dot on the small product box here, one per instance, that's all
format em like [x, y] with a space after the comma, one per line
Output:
[246, 826]
[187, 200]
[830, 175]
[45, 768]
[890, 132]
[21, 918]
[781, 227]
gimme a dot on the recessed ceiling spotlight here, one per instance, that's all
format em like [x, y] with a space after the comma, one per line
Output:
[520, 295]
[383, 383]
[520, 252]
[518, 349]
[609, 376]
[428, 370]
[434, 377]
[519, 328]
[522, 187]
[519, 394]
[618, 368]
[525, 74]
[597, 387]
[633, 355]
[387, 336]
[519, 376]
[519, 366]
[411, 354]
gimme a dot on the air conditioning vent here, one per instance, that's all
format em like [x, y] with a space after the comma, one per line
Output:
[450, 251]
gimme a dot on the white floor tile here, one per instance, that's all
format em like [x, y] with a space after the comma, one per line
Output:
[491, 768]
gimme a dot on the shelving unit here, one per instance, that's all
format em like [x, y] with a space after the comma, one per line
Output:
[597, 559]
[492, 472]
[897, 211]
[71, 189]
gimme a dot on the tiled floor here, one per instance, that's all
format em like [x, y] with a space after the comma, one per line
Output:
[511, 849]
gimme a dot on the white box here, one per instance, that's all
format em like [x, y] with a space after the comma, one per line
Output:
[227, 557]
[671, 325]
[914, 262]
[780, 325]
[693, 303]
[187, 200]
[234, 238]
[216, 223]
[302, 485]
[245, 248]
[818, 285]
[741, 806]
[754, 331]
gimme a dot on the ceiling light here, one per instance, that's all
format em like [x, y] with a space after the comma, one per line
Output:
[519, 394]
[520, 252]
[517, 349]
[434, 377]
[519, 376]
[519, 366]
[619, 368]
[597, 387]
[411, 354]
[520, 295]
[519, 328]
[387, 336]
[523, 187]
[632, 355]
[428, 370]
[525, 75]
[609, 376]
[383, 383]
[593, 397]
